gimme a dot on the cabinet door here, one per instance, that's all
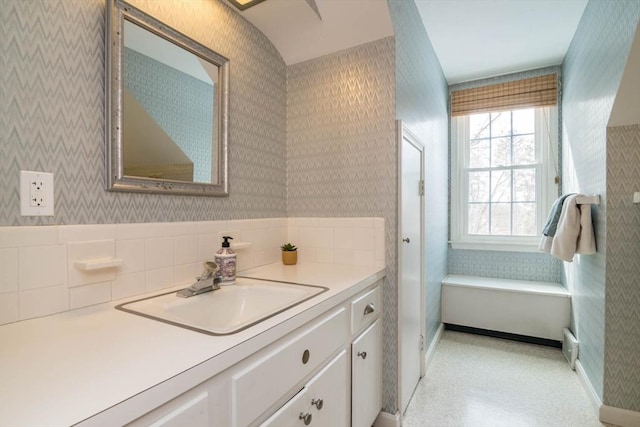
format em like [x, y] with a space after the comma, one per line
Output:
[328, 394]
[184, 411]
[294, 413]
[366, 372]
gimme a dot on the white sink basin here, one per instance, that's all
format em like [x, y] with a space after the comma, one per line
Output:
[227, 310]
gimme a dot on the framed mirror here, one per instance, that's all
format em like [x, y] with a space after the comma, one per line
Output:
[167, 108]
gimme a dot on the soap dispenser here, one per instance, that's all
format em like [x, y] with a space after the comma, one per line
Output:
[226, 260]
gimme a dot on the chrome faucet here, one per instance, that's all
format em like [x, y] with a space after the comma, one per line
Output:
[207, 282]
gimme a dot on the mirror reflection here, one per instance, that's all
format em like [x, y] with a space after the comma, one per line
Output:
[169, 113]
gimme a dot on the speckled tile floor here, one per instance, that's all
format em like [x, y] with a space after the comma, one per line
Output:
[478, 381]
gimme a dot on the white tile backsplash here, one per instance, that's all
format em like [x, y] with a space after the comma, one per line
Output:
[187, 273]
[159, 253]
[8, 270]
[9, 307]
[43, 302]
[38, 277]
[185, 249]
[128, 285]
[42, 266]
[16, 237]
[82, 233]
[89, 295]
[160, 278]
[132, 253]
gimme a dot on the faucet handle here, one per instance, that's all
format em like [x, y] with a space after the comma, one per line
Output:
[210, 269]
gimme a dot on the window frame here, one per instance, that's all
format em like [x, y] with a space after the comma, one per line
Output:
[546, 140]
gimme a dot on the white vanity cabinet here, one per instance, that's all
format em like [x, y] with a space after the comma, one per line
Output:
[366, 358]
[316, 375]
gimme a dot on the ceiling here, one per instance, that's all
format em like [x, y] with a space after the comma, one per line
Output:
[473, 39]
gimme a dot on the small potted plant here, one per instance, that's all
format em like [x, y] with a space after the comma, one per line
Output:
[289, 254]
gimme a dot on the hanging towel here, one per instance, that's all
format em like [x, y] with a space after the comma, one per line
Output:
[550, 227]
[554, 216]
[574, 233]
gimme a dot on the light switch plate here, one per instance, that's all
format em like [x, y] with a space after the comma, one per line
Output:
[36, 193]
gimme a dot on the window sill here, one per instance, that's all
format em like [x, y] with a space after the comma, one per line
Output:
[496, 246]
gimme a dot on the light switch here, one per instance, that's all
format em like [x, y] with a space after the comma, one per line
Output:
[36, 193]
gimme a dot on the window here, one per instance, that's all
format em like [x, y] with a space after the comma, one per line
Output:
[502, 178]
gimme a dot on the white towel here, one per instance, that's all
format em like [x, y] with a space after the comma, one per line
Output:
[574, 233]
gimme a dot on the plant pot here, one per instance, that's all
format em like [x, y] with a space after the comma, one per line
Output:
[289, 257]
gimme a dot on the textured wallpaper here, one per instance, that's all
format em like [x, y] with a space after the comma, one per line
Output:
[500, 264]
[591, 72]
[622, 311]
[421, 104]
[52, 113]
[341, 155]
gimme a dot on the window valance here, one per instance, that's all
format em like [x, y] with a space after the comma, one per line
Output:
[539, 91]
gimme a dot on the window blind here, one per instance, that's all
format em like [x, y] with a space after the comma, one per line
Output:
[532, 92]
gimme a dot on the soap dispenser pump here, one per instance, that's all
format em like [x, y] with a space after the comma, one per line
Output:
[226, 260]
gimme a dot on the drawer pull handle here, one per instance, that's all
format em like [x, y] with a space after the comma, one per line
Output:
[370, 308]
[305, 417]
[362, 354]
[305, 356]
[318, 403]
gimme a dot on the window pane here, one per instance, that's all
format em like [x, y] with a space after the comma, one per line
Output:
[501, 186]
[478, 186]
[479, 153]
[501, 219]
[524, 185]
[523, 121]
[524, 150]
[524, 219]
[500, 124]
[501, 152]
[479, 126]
[478, 220]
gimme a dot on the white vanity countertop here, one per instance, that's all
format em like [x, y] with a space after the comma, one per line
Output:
[76, 366]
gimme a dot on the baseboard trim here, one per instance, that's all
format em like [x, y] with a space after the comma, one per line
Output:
[432, 347]
[503, 335]
[619, 417]
[588, 387]
[386, 419]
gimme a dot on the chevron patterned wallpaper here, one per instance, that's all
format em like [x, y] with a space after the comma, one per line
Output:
[52, 113]
[341, 155]
[421, 104]
[591, 72]
[622, 329]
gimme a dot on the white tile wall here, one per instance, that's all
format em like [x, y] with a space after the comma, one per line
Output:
[38, 276]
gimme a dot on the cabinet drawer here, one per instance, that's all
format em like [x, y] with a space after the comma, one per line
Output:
[365, 309]
[323, 402]
[256, 387]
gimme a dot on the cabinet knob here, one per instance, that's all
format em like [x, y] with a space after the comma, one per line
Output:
[318, 403]
[362, 354]
[305, 356]
[406, 240]
[370, 308]
[306, 418]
